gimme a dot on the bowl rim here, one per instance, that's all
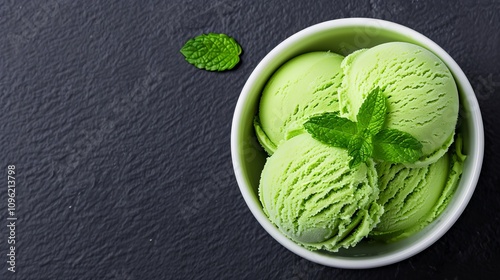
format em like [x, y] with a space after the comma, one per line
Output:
[475, 155]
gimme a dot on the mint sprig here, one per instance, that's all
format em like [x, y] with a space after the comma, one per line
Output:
[212, 51]
[367, 137]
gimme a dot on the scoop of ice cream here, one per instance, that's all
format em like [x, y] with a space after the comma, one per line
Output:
[303, 86]
[421, 92]
[414, 197]
[309, 192]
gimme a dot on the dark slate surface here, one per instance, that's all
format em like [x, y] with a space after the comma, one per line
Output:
[123, 149]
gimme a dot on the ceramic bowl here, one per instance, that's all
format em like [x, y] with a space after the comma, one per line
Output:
[344, 36]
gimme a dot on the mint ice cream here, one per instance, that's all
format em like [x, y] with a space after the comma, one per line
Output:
[303, 86]
[421, 92]
[359, 146]
[309, 192]
[413, 197]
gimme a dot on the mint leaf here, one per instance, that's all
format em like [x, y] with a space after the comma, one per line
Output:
[360, 149]
[371, 114]
[213, 52]
[331, 129]
[396, 146]
[366, 138]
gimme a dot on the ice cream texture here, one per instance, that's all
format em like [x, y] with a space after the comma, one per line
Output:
[307, 188]
[309, 192]
[414, 197]
[421, 92]
[305, 85]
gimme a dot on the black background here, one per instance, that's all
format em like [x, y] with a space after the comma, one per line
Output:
[122, 148]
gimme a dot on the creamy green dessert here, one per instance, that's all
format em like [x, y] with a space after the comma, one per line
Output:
[303, 86]
[309, 192]
[414, 197]
[358, 146]
[421, 92]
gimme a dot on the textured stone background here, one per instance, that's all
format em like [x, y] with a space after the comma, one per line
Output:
[123, 149]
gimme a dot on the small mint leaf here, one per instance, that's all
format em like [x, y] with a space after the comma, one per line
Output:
[396, 146]
[331, 129]
[213, 52]
[360, 149]
[371, 114]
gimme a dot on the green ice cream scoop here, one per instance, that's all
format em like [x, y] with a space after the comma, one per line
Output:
[309, 192]
[414, 197]
[421, 92]
[303, 86]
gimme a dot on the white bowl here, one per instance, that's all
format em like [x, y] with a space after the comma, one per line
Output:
[344, 36]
